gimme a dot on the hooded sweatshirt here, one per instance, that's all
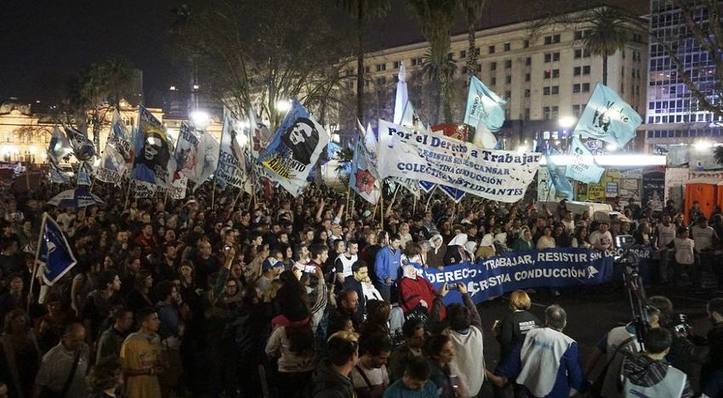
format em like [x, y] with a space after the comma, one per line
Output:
[645, 372]
[328, 383]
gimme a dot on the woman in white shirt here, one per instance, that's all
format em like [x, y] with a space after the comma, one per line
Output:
[546, 241]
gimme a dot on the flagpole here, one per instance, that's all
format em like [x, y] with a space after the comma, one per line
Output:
[35, 264]
[213, 192]
[431, 193]
[414, 206]
[381, 215]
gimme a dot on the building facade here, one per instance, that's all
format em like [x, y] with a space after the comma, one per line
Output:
[543, 74]
[673, 114]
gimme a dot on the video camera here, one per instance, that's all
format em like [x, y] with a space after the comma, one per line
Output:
[626, 254]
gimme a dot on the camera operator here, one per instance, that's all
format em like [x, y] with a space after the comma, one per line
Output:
[712, 371]
[686, 351]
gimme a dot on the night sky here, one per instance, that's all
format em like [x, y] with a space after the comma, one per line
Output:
[45, 42]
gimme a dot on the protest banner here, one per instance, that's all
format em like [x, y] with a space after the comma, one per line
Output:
[497, 175]
[583, 167]
[294, 149]
[117, 155]
[495, 276]
[153, 163]
[233, 168]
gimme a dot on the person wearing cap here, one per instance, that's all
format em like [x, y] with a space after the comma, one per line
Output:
[437, 250]
[271, 269]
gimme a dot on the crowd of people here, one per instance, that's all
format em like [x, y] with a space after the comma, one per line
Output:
[315, 296]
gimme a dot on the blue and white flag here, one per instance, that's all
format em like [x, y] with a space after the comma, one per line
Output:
[153, 163]
[83, 147]
[233, 168]
[484, 107]
[117, 155]
[196, 155]
[294, 149]
[59, 147]
[583, 167]
[56, 175]
[363, 179]
[455, 194]
[427, 186]
[55, 258]
[85, 171]
[410, 118]
[561, 184]
[608, 118]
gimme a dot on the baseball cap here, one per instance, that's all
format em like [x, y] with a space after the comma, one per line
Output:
[271, 262]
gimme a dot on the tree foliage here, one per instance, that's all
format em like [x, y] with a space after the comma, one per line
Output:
[609, 30]
[254, 54]
[436, 18]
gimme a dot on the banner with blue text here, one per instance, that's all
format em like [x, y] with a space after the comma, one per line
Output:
[498, 275]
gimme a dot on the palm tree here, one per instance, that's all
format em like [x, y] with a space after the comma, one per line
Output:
[718, 154]
[362, 10]
[436, 18]
[472, 13]
[608, 33]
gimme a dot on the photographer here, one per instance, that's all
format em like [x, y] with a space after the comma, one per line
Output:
[712, 372]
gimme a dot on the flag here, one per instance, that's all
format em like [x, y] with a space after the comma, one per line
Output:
[427, 186]
[153, 162]
[233, 168]
[484, 107]
[55, 258]
[57, 176]
[583, 167]
[402, 97]
[59, 147]
[561, 184]
[85, 171]
[410, 118]
[294, 149]
[410, 185]
[196, 155]
[608, 118]
[83, 147]
[455, 194]
[363, 179]
[117, 155]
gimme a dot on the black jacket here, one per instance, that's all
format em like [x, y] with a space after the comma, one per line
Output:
[328, 383]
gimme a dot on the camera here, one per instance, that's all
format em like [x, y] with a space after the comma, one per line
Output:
[678, 324]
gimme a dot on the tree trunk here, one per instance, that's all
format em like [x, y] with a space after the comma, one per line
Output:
[605, 69]
[471, 51]
[360, 62]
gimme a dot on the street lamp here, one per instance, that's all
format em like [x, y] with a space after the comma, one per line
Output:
[567, 121]
[200, 119]
[283, 105]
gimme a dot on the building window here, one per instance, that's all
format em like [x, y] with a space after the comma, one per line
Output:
[546, 113]
[526, 44]
[576, 109]
[367, 69]
[555, 73]
[527, 93]
[527, 113]
[464, 70]
[508, 95]
[547, 74]
[586, 70]
[508, 79]
[546, 90]
[527, 77]
[493, 81]
[479, 67]
[586, 53]
[555, 90]
[576, 71]
[554, 112]
[450, 56]
[576, 88]
[586, 87]
[507, 46]
[508, 64]
[493, 65]
[396, 64]
[552, 57]
[491, 49]
[463, 54]
[528, 61]
[578, 53]
[552, 39]
[381, 67]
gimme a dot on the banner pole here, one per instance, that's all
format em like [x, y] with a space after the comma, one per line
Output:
[346, 209]
[128, 194]
[381, 215]
[213, 193]
[35, 263]
[414, 206]
[429, 199]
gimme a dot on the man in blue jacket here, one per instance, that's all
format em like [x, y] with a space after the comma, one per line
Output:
[386, 267]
